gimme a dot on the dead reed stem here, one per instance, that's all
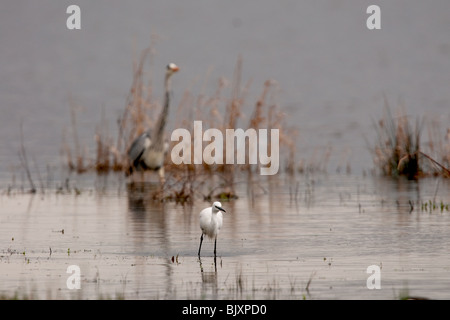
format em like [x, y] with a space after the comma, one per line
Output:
[445, 171]
[24, 160]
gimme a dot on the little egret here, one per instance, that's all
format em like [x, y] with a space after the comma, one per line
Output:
[146, 152]
[211, 221]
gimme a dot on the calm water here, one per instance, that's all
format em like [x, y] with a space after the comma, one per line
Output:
[324, 229]
[274, 241]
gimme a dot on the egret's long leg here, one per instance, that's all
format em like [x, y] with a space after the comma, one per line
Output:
[200, 247]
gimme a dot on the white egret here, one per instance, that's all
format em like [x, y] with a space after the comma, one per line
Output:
[211, 221]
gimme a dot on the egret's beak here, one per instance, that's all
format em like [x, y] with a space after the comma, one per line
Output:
[219, 208]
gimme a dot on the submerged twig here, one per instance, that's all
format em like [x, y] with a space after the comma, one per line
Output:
[309, 281]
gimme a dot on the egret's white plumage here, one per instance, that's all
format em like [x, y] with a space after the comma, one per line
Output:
[211, 221]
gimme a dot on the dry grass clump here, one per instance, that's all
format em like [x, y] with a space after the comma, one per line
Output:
[398, 151]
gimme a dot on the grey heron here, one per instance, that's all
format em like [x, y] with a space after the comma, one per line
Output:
[211, 221]
[147, 151]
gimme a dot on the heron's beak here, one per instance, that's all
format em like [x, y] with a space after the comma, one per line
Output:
[175, 69]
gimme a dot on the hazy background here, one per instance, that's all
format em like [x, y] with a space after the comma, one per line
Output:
[331, 70]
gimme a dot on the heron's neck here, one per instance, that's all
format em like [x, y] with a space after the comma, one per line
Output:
[161, 123]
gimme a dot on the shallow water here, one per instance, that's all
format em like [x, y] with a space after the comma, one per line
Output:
[274, 242]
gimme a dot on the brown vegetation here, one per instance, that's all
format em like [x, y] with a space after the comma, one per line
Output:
[217, 111]
[398, 149]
